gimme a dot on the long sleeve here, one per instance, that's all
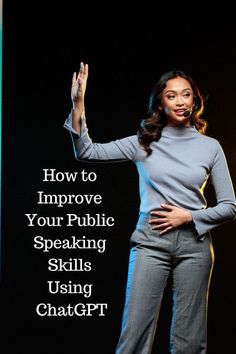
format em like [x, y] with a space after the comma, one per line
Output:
[225, 209]
[84, 149]
[175, 173]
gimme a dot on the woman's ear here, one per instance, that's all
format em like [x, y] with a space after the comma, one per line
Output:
[160, 108]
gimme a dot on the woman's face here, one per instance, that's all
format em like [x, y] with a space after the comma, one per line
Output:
[177, 97]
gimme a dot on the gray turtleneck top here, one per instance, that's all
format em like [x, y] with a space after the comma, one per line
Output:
[175, 173]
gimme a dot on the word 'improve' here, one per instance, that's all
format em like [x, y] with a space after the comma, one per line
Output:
[63, 199]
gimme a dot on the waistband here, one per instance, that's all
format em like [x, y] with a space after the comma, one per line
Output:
[144, 219]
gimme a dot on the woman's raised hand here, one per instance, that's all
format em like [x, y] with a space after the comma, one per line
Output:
[78, 87]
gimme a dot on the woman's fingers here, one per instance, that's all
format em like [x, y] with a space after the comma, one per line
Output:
[74, 78]
[157, 221]
[79, 83]
[161, 226]
[86, 71]
[168, 206]
[166, 230]
[159, 213]
[81, 70]
[82, 74]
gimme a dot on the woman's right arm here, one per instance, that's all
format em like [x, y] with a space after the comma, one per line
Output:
[84, 148]
[78, 89]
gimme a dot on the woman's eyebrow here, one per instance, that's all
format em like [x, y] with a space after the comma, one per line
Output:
[188, 88]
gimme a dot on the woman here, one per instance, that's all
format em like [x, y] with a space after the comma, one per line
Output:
[174, 159]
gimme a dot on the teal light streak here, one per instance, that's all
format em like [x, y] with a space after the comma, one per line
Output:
[1, 19]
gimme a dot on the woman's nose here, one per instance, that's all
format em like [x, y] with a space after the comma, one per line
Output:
[179, 101]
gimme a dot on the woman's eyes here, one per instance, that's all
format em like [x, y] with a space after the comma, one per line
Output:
[171, 97]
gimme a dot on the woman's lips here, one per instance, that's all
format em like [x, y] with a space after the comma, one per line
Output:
[179, 112]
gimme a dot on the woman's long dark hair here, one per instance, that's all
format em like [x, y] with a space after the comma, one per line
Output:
[150, 128]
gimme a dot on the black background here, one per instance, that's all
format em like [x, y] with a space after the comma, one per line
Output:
[41, 50]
